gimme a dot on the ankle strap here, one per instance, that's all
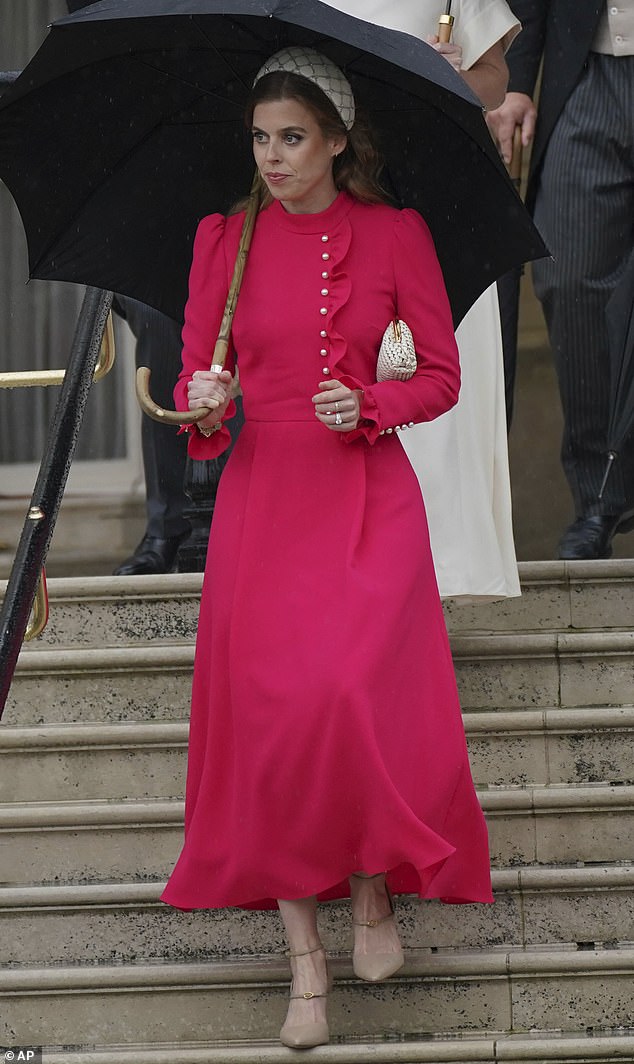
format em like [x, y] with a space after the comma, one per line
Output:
[315, 949]
[373, 923]
[308, 996]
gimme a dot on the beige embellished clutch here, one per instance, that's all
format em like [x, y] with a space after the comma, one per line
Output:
[397, 354]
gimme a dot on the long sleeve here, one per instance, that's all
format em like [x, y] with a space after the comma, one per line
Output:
[208, 287]
[479, 25]
[524, 55]
[423, 304]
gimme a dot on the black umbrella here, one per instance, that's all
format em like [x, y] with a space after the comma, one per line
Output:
[127, 127]
[620, 325]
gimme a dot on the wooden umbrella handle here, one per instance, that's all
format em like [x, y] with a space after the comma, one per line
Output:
[445, 26]
[158, 413]
[222, 343]
[143, 374]
[515, 165]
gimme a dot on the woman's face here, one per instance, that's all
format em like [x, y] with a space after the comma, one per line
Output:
[293, 156]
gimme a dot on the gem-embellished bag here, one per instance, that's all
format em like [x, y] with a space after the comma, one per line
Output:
[397, 354]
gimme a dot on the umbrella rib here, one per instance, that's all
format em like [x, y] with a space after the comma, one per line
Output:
[216, 52]
[202, 91]
[119, 163]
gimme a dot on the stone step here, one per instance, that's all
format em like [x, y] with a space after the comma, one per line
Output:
[125, 923]
[503, 670]
[567, 670]
[91, 532]
[107, 611]
[101, 685]
[59, 762]
[556, 596]
[551, 746]
[65, 564]
[498, 992]
[148, 760]
[84, 841]
[563, 1049]
[111, 611]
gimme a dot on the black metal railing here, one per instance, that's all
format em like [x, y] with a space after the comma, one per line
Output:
[49, 488]
[51, 482]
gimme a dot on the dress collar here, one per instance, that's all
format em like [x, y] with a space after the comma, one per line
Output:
[312, 223]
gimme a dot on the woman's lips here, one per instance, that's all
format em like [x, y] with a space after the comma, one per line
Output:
[276, 178]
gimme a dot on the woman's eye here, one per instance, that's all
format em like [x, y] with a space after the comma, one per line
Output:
[260, 138]
[292, 138]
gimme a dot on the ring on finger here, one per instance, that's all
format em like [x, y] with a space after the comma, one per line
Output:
[338, 419]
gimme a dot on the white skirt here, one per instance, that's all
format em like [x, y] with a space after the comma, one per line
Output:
[461, 461]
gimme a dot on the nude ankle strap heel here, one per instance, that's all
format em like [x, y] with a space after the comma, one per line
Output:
[305, 1035]
[374, 967]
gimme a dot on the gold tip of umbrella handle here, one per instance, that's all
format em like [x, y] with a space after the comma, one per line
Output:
[445, 26]
[157, 413]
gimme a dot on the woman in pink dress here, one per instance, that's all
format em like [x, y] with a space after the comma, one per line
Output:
[327, 755]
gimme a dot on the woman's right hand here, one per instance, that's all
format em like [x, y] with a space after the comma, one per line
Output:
[209, 389]
[449, 51]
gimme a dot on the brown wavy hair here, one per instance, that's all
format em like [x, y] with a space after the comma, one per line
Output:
[357, 167]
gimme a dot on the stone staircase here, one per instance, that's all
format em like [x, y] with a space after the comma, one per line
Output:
[93, 748]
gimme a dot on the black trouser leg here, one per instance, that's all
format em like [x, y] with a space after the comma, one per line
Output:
[158, 346]
[584, 210]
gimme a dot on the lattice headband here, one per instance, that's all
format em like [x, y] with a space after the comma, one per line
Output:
[319, 69]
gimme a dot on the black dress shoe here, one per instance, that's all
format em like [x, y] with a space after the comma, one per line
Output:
[152, 556]
[591, 537]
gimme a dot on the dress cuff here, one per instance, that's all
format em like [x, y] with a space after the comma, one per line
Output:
[369, 414]
[202, 448]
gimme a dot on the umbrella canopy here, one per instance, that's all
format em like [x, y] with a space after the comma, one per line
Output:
[127, 127]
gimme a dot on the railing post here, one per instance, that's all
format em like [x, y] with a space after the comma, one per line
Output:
[51, 481]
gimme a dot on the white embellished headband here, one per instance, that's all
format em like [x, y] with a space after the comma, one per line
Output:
[319, 69]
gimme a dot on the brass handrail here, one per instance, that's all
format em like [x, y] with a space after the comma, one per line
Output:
[39, 613]
[31, 378]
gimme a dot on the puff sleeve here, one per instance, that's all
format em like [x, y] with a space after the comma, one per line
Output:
[208, 288]
[421, 301]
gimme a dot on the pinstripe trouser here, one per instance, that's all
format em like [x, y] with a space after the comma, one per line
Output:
[585, 211]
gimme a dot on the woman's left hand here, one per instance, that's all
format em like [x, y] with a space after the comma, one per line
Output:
[337, 407]
[451, 52]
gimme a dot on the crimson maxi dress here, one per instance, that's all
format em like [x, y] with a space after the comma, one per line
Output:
[326, 734]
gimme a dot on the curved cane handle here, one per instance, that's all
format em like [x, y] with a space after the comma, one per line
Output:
[156, 412]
